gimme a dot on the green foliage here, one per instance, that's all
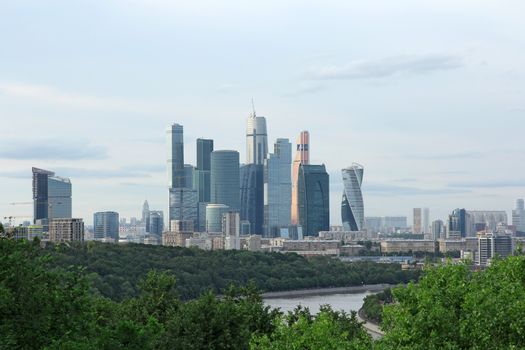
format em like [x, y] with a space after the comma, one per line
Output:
[114, 271]
[326, 331]
[2, 230]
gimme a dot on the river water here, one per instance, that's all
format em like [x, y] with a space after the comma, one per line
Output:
[339, 302]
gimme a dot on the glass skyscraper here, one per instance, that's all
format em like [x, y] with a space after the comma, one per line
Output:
[183, 205]
[256, 140]
[225, 179]
[202, 173]
[176, 176]
[252, 196]
[302, 156]
[51, 196]
[106, 225]
[352, 206]
[278, 188]
[313, 188]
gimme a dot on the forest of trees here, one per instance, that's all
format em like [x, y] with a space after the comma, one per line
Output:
[45, 305]
[114, 271]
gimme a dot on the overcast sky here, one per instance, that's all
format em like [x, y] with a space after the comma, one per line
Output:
[427, 95]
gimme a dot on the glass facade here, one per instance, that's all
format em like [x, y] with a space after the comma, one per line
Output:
[156, 222]
[252, 196]
[214, 214]
[352, 206]
[313, 199]
[176, 176]
[225, 179]
[106, 225]
[183, 205]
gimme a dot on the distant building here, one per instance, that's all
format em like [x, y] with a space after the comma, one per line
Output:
[352, 206]
[181, 230]
[225, 179]
[183, 204]
[51, 196]
[386, 224]
[485, 219]
[417, 227]
[188, 175]
[314, 199]
[457, 222]
[426, 221]
[202, 173]
[278, 188]
[408, 245]
[491, 246]
[256, 140]
[145, 215]
[106, 225]
[214, 214]
[66, 230]
[176, 173]
[518, 216]
[302, 157]
[438, 229]
[252, 196]
[156, 222]
[231, 229]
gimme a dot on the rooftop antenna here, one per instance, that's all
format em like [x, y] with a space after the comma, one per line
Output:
[253, 108]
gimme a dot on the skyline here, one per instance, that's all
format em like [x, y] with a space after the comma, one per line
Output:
[432, 108]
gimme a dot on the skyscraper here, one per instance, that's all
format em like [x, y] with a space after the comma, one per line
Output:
[202, 173]
[252, 196]
[313, 199]
[156, 222]
[352, 206]
[106, 225]
[518, 216]
[457, 222]
[417, 227]
[426, 221]
[302, 156]
[176, 176]
[278, 188]
[438, 229]
[225, 179]
[188, 175]
[51, 196]
[183, 205]
[256, 140]
[145, 215]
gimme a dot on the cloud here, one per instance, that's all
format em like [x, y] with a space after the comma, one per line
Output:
[50, 149]
[463, 155]
[393, 190]
[304, 89]
[488, 184]
[387, 67]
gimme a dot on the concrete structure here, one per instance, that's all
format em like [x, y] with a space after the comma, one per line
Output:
[278, 188]
[256, 140]
[312, 247]
[345, 236]
[518, 217]
[313, 189]
[181, 231]
[231, 228]
[302, 157]
[66, 230]
[106, 225]
[203, 243]
[408, 245]
[176, 175]
[417, 226]
[51, 197]
[225, 179]
[214, 214]
[426, 221]
[352, 205]
[252, 196]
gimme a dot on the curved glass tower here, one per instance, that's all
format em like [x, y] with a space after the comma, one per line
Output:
[352, 206]
[256, 140]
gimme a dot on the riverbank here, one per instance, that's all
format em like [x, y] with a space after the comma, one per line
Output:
[327, 291]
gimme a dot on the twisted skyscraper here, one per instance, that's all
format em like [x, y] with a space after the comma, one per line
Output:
[352, 206]
[301, 157]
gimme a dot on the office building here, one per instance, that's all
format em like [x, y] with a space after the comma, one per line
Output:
[417, 227]
[176, 173]
[278, 188]
[214, 214]
[156, 222]
[302, 157]
[256, 140]
[51, 196]
[202, 173]
[225, 179]
[352, 206]
[201, 217]
[492, 245]
[386, 224]
[485, 220]
[231, 223]
[145, 215]
[518, 216]
[313, 188]
[438, 229]
[183, 205]
[66, 230]
[106, 225]
[457, 222]
[426, 221]
[188, 175]
[252, 196]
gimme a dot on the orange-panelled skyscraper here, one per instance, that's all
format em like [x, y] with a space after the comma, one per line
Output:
[302, 156]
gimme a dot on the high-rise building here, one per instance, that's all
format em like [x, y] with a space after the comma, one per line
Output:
[518, 216]
[278, 188]
[417, 227]
[202, 173]
[386, 224]
[231, 227]
[183, 205]
[314, 199]
[66, 230]
[214, 214]
[489, 220]
[145, 215]
[252, 196]
[352, 206]
[256, 140]
[493, 245]
[457, 222]
[176, 175]
[106, 225]
[438, 229]
[188, 175]
[302, 157]
[51, 196]
[156, 222]
[225, 179]
[426, 221]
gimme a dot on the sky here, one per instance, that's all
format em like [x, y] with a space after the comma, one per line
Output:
[427, 95]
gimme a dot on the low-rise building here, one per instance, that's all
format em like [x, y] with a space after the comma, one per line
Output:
[408, 245]
[66, 230]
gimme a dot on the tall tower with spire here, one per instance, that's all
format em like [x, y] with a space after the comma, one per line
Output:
[256, 140]
[302, 156]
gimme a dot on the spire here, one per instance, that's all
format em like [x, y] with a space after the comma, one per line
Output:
[253, 109]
